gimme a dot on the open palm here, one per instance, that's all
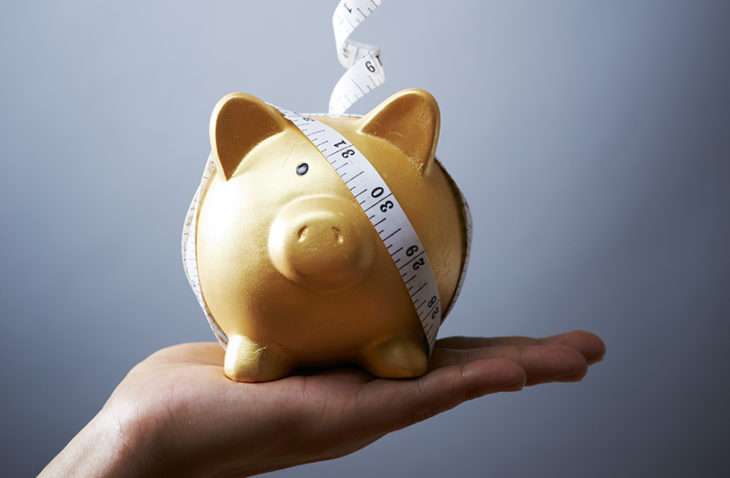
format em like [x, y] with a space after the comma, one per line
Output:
[179, 415]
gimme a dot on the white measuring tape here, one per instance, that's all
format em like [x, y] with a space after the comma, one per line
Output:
[368, 188]
[365, 68]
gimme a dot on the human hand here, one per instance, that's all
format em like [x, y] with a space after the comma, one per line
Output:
[176, 413]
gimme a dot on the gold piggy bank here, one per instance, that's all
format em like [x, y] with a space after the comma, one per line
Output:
[284, 261]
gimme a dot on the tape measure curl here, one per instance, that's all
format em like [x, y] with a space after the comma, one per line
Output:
[363, 62]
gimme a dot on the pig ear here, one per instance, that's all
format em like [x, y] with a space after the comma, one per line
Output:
[239, 123]
[410, 120]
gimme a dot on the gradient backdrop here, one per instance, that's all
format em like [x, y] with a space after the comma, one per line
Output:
[592, 139]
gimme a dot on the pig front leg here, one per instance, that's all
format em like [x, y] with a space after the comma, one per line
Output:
[399, 357]
[248, 361]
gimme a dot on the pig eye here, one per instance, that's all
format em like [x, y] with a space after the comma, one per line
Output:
[302, 169]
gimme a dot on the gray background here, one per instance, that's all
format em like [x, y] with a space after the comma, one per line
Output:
[591, 138]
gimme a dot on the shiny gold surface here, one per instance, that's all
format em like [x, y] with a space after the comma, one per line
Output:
[289, 264]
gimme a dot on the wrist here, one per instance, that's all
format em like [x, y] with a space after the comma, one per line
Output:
[103, 448]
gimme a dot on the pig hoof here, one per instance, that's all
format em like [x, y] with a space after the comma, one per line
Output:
[248, 361]
[400, 357]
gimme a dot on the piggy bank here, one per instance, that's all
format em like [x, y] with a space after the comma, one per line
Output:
[286, 265]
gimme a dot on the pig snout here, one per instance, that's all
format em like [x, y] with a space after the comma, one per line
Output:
[322, 242]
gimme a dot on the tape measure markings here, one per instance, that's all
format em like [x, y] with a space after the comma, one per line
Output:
[189, 249]
[363, 62]
[387, 217]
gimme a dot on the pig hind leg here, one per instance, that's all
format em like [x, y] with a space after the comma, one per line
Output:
[399, 357]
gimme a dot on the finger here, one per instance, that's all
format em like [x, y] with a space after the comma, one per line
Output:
[388, 405]
[542, 363]
[459, 342]
[590, 345]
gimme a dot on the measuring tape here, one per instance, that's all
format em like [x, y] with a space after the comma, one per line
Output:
[190, 248]
[365, 67]
[368, 188]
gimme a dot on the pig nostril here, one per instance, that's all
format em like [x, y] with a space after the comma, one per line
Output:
[302, 233]
[338, 237]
